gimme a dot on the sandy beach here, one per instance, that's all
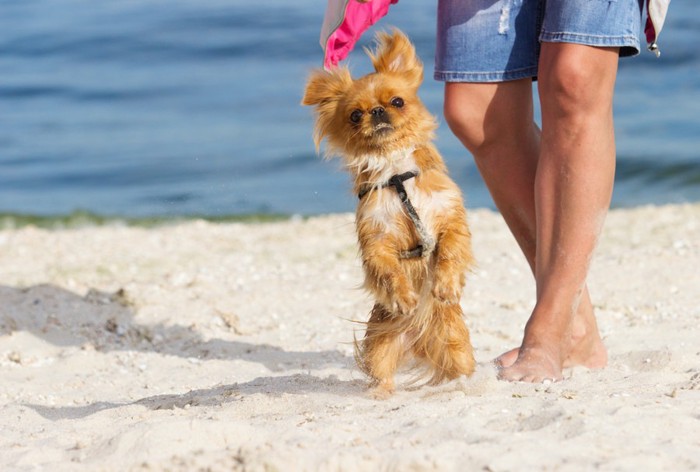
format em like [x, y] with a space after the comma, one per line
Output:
[203, 346]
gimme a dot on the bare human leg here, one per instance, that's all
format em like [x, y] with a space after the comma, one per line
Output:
[495, 122]
[573, 187]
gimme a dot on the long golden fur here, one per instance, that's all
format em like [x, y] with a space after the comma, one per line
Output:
[378, 125]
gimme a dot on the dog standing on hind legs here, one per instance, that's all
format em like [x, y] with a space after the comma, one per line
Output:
[411, 222]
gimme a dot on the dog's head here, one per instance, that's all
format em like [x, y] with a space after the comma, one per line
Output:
[378, 114]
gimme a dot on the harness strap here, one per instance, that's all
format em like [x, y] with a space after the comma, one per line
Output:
[426, 241]
[400, 178]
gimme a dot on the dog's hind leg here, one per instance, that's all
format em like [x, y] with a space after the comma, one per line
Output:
[445, 344]
[381, 351]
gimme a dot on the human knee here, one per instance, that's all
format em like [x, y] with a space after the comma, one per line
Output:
[575, 84]
[567, 88]
[472, 128]
[490, 119]
[466, 125]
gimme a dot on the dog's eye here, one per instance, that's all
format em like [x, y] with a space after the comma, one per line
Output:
[356, 116]
[397, 102]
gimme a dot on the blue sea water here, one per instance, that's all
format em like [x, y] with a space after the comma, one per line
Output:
[172, 107]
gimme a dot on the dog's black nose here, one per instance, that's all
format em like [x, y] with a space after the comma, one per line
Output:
[378, 111]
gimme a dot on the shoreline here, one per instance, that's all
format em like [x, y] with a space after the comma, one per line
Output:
[228, 346]
[80, 218]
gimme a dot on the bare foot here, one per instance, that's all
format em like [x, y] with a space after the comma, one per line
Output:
[588, 351]
[533, 364]
[507, 359]
[546, 360]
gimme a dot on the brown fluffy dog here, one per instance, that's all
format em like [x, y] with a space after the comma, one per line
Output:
[411, 222]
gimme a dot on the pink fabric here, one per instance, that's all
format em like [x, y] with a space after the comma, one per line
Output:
[358, 18]
[649, 30]
[656, 16]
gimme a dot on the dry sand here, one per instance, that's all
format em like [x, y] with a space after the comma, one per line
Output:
[203, 346]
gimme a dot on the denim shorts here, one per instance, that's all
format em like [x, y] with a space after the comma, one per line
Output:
[499, 40]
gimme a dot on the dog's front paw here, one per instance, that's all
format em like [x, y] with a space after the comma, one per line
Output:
[448, 289]
[406, 302]
[382, 389]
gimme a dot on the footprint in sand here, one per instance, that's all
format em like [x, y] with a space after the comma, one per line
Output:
[645, 361]
[694, 382]
[567, 426]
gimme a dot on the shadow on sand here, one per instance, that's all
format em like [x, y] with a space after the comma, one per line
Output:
[105, 322]
[297, 384]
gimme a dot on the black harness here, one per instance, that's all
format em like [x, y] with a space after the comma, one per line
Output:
[426, 241]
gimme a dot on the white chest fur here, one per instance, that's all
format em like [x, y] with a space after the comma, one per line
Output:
[381, 168]
[383, 209]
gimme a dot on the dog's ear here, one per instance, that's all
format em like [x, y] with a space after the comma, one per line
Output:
[395, 54]
[326, 86]
[324, 90]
